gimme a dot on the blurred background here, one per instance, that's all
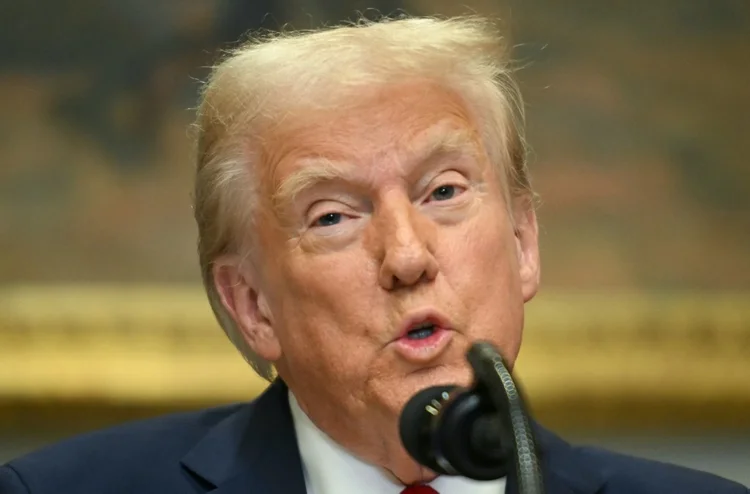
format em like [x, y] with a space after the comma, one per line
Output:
[638, 117]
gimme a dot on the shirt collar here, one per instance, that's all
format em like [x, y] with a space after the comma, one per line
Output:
[330, 469]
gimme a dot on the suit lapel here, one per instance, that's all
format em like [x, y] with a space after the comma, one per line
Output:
[252, 451]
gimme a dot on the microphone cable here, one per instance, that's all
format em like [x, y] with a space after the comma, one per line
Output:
[502, 390]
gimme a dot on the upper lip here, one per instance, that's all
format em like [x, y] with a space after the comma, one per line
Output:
[421, 316]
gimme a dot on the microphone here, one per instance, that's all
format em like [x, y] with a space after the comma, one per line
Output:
[480, 432]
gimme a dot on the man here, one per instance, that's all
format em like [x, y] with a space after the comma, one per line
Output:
[364, 213]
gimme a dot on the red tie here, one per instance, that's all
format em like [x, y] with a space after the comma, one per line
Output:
[419, 489]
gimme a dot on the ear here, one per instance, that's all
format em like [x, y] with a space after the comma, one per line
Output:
[527, 249]
[239, 290]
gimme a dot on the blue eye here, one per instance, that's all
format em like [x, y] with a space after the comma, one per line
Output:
[443, 193]
[328, 219]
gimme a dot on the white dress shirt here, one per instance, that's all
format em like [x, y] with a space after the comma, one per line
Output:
[330, 469]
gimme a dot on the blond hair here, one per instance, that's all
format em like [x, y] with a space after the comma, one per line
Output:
[258, 85]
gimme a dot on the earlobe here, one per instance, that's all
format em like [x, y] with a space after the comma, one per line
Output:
[247, 305]
[527, 248]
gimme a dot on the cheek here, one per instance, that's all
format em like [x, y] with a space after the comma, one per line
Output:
[483, 273]
[328, 301]
[482, 255]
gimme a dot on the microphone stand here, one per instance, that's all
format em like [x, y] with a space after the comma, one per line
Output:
[474, 432]
[496, 382]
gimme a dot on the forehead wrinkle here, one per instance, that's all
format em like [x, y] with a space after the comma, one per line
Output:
[439, 141]
[418, 150]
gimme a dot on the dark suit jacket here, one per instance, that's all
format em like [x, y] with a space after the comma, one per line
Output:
[252, 449]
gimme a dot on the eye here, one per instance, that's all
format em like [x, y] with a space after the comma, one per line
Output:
[328, 219]
[444, 193]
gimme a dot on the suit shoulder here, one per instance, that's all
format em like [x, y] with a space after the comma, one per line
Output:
[630, 474]
[152, 446]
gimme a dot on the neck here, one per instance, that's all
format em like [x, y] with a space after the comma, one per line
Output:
[383, 451]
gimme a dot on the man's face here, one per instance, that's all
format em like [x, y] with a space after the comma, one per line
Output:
[389, 250]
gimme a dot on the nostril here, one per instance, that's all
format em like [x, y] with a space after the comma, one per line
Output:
[407, 264]
[399, 282]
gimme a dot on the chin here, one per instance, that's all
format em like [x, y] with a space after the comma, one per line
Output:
[392, 392]
[438, 375]
[444, 375]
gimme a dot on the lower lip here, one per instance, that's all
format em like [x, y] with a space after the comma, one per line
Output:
[426, 349]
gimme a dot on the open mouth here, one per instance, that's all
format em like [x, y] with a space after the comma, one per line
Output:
[421, 331]
[423, 339]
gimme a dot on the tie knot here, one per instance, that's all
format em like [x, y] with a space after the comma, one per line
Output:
[419, 489]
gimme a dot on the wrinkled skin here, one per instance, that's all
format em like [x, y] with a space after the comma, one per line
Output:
[407, 223]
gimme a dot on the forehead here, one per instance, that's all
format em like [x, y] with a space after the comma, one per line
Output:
[383, 123]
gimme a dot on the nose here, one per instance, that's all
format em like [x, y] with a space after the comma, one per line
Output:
[407, 242]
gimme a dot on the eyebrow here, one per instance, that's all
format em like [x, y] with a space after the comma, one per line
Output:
[315, 171]
[319, 170]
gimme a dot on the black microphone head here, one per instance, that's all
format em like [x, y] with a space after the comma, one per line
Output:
[415, 423]
[453, 431]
